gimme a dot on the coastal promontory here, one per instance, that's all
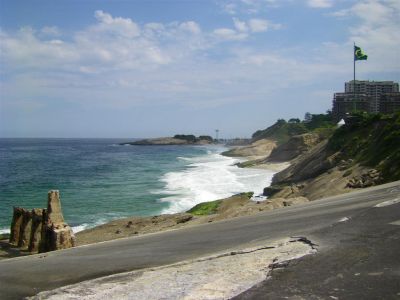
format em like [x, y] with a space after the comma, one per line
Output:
[178, 139]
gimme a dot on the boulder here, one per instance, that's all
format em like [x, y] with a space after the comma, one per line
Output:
[366, 179]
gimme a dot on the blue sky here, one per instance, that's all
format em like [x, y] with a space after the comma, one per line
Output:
[155, 68]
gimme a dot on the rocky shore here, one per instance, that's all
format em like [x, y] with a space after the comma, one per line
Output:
[178, 139]
[328, 161]
[310, 166]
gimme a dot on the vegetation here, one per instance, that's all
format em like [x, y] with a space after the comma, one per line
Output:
[192, 139]
[205, 208]
[319, 121]
[282, 131]
[372, 140]
[247, 194]
[206, 138]
[189, 137]
[209, 208]
[4, 236]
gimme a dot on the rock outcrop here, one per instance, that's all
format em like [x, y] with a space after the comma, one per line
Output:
[260, 148]
[308, 165]
[41, 230]
[366, 179]
[172, 141]
[296, 146]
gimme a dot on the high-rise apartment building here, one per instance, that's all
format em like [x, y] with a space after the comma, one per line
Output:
[369, 96]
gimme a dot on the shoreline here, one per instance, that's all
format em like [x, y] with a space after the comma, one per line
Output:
[161, 190]
[233, 206]
[127, 226]
[229, 208]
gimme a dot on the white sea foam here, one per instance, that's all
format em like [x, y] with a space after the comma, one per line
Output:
[210, 177]
[4, 230]
[75, 229]
[97, 222]
[81, 227]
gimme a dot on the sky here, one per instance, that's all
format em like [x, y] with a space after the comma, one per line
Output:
[119, 68]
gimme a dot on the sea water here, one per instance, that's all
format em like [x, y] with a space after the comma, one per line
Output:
[100, 180]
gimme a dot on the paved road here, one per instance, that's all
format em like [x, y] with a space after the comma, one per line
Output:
[29, 275]
[358, 259]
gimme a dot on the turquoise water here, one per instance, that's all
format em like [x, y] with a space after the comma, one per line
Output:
[100, 180]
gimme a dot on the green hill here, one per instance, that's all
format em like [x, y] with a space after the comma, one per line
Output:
[372, 140]
[283, 130]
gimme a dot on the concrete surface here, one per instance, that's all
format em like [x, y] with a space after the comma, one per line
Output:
[213, 277]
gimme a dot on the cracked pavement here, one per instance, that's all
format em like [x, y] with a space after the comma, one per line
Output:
[213, 277]
[359, 260]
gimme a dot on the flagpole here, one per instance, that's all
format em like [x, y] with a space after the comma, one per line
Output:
[354, 77]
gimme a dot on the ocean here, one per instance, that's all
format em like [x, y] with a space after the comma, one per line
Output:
[100, 180]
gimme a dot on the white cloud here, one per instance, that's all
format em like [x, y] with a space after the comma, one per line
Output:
[240, 25]
[51, 31]
[229, 8]
[320, 3]
[117, 62]
[118, 26]
[229, 34]
[111, 43]
[242, 28]
[249, 7]
[191, 27]
[258, 25]
[375, 29]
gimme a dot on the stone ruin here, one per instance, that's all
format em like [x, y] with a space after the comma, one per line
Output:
[41, 230]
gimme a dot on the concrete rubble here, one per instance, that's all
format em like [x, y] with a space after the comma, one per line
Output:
[40, 229]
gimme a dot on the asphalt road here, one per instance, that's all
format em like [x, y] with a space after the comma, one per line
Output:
[26, 276]
[358, 259]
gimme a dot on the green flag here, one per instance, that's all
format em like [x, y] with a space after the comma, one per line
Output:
[359, 54]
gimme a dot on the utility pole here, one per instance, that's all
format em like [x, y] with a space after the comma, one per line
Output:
[216, 135]
[354, 78]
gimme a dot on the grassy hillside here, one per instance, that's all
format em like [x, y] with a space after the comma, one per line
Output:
[372, 140]
[283, 130]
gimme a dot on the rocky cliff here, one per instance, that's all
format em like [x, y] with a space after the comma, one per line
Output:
[258, 149]
[362, 153]
[294, 147]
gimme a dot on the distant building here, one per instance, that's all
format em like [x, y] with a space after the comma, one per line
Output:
[369, 96]
[389, 103]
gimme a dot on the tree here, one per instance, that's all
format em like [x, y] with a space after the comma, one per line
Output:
[294, 120]
[307, 117]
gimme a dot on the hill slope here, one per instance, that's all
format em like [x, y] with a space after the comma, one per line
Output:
[364, 152]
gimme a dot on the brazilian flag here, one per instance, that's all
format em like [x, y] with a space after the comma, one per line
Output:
[359, 54]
